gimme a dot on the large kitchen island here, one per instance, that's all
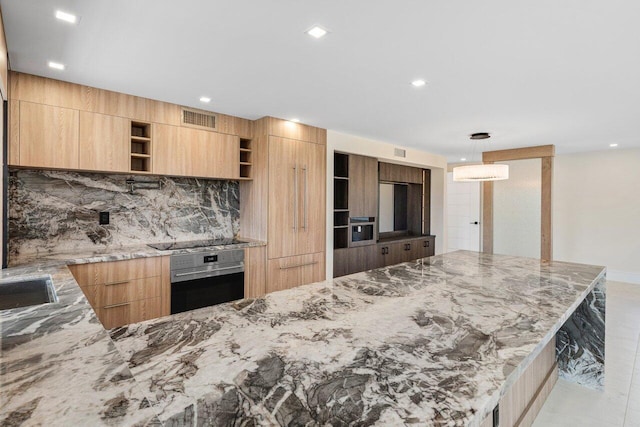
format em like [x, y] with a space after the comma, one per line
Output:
[438, 341]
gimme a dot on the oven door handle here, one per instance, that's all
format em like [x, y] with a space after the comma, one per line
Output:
[191, 273]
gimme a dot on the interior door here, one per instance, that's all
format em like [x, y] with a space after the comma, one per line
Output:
[463, 215]
[284, 182]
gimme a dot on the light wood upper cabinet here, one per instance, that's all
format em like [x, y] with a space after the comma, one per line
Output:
[104, 143]
[170, 156]
[190, 152]
[48, 136]
[217, 155]
[4, 63]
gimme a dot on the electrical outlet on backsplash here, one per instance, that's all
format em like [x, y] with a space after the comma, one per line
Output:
[56, 211]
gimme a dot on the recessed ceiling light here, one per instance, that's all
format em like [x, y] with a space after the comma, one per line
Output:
[317, 32]
[295, 120]
[418, 83]
[67, 17]
[613, 145]
[56, 65]
[463, 159]
[205, 99]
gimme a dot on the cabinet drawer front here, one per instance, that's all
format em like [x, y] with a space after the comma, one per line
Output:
[119, 271]
[289, 272]
[121, 314]
[120, 292]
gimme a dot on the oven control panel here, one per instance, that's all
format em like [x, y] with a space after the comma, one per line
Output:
[210, 258]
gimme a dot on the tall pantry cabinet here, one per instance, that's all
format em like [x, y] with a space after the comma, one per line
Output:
[285, 202]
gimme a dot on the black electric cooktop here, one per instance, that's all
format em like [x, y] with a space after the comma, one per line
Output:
[166, 246]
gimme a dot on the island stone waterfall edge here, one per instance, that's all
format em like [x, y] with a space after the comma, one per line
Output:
[580, 341]
[57, 211]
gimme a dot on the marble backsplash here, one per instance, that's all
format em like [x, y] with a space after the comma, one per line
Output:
[57, 211]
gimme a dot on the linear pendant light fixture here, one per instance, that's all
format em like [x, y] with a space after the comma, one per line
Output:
[488, 172]
[483, 172]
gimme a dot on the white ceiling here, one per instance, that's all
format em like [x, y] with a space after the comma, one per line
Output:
[530, 72]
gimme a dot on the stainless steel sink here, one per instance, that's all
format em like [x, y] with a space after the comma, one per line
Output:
[16, 293]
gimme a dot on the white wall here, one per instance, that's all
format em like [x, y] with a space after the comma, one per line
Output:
[517, 210]
[383, 151]
[596, 211]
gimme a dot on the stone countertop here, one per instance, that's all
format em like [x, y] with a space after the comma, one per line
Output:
[431, 342]
[58, 365]
[435, 341]
[118, 254]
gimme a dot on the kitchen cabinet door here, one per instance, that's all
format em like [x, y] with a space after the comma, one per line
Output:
[171, 156]
[385, 255]
[423, 247]
[289, 272]
[48, 136]
[362, 258]
[254, 271]
[363, 186]
[215, 155]
[183, 151]
[399, 252]
[398, 173]
[103, 143]
[284, 209]
[341, 262]
[311, 198]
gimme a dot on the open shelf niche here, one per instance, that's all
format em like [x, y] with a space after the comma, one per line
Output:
[245, 158]
[140, 147]
[340, 200]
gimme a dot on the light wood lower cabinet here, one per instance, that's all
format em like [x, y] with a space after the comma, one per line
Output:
[115, 315]
[255, 279]
[123, 292]
[289, 272]
[100, 273]
[523, 400]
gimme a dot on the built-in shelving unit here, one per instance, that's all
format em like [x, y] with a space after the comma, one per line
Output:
[245, 158]
[340, 201]
[140, 147]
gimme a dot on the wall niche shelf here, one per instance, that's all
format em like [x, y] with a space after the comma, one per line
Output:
[340, 201]
[140, 147]
[246, 161]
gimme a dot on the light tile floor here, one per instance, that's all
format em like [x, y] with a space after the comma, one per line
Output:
[570, 405]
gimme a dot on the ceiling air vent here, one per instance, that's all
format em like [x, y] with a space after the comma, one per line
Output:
[399, 152]
[199, 119]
